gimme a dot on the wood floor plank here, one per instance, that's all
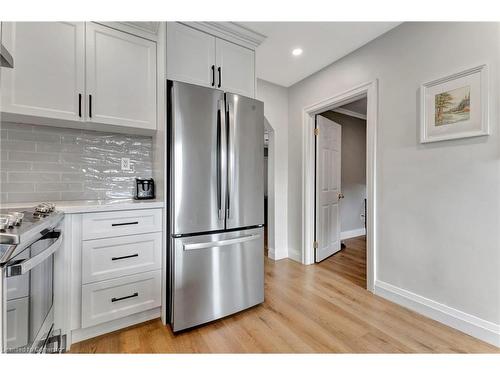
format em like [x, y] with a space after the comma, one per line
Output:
[323, 308]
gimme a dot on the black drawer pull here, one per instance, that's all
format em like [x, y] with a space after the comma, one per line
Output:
[119, 224]
[126, 297]
[125, 257]
[90, 106]
[80, 105]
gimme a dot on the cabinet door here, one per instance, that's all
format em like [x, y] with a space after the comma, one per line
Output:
[48, 73]
[237, 65]
[121, 78]
[190, 55]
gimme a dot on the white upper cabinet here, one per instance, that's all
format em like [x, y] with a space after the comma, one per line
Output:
[235, 68]
[77, 74]
[196, 57]
[120, 78]
[190, 55]
[48, 75]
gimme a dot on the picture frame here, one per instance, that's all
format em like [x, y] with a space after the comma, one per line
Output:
[455, 106]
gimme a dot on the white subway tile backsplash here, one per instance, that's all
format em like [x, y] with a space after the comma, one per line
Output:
[40, 136]
[17, 187]
[7, 145]
[57, 167]
[72, 177]
[47, 163]
[14, 166]
[31, 176]
[32, 197]
[59, 186]
[55, 147]
[33, 156]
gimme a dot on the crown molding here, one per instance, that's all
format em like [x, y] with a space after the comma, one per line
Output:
[150, 26]
[146, 30]
[230, 31]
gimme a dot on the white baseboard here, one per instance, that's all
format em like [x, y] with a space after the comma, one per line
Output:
[100, 329]
[470, 324]
[352, 233]
[295, 255]
[277, 254]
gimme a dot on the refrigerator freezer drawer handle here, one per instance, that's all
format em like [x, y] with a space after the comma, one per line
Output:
[232, 241]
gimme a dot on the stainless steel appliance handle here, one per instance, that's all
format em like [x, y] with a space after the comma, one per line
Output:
[28, 264]
[221, 130]
[231, 241]
[230, 157]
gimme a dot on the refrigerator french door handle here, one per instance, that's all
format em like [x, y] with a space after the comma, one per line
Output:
[230, 157]
[221, 156]
[231, 241]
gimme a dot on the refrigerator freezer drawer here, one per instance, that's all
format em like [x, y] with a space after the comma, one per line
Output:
[216, 275]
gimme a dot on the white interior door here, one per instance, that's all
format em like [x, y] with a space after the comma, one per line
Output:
[328, 143]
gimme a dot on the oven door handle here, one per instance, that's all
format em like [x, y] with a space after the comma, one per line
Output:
[31, 263]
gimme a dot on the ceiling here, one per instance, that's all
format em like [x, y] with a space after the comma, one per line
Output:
[322, 44]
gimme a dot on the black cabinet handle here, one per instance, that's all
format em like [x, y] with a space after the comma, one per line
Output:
[125, 257]
[120, 224]
[126, 297]
[80, 105]
[90, 106]
[213, 75]
[220, 77]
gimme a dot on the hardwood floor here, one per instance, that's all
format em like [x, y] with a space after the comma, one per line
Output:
[322, 308]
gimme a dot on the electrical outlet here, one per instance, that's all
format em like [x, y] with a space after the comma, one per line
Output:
[126, 164]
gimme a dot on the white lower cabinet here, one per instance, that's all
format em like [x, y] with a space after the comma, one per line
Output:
[117, 279]
[120, 223]
[108, 300]
[120, 256]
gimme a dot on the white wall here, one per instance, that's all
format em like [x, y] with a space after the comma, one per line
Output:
[275, 100]
[438, 204]
[353, 172]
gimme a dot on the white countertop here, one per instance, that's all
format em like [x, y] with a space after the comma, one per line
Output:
[77, 207]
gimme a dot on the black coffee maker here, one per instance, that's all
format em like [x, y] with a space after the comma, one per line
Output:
[144, 188]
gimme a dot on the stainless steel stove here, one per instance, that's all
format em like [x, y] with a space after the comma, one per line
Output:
[21, 226]
[29, 240]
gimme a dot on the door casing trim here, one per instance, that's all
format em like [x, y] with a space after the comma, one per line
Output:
[370, 90]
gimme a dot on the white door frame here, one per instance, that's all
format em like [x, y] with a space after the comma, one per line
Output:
[271, 209]
[370, 89]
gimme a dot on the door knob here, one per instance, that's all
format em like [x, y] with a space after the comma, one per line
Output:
[340, 196]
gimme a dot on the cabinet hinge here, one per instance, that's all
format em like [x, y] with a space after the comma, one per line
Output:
[315, 244]
[316, 131]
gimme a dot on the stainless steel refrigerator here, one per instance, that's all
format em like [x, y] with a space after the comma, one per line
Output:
[216, 204]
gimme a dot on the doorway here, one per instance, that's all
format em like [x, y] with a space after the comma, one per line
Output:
[269, 190]
[368, 90]
[340, 193]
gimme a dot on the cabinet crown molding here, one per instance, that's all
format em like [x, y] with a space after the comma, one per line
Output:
[230, 31]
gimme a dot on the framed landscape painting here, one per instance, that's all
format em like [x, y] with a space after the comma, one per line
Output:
[455, 106]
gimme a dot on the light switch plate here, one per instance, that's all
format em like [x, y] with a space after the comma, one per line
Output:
[126, 164]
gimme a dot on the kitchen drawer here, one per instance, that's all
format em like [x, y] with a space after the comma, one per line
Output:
[108, 258]
[108, 300]
[120, 223]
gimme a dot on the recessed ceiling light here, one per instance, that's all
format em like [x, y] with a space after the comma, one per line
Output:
[297, 52]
